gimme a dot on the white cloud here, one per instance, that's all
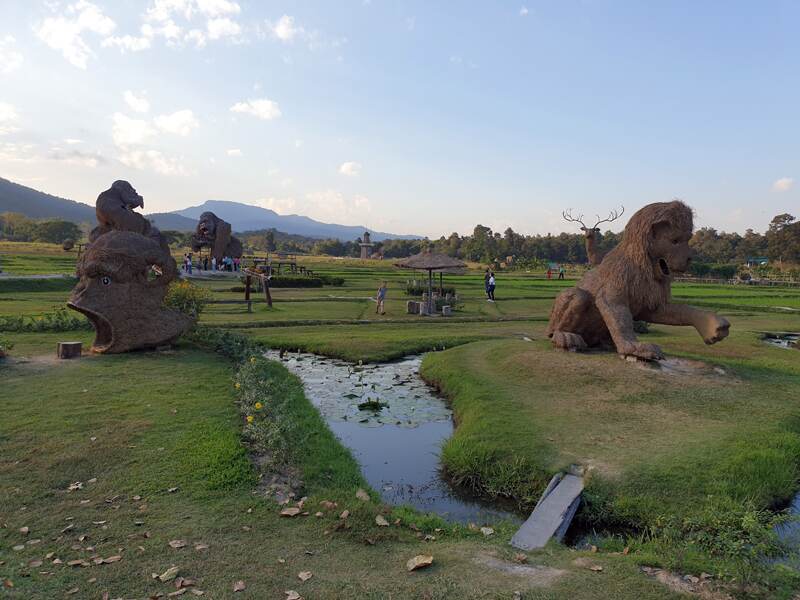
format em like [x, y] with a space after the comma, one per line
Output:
[130, 43]
[285, 29]
[298, 143]
[181, 122]
[77, 157]
[216, 8]
[221, 27]
[10, 59]
[73, 141]
[8, 116]
[65, 32]
[523, 12]
[196, 37]
[784, 184]
[263, 108]
[330, 205]
[136, 103]
[152, 160]
[130, 132]
[233, 152]
[283, 206]
[350, 168]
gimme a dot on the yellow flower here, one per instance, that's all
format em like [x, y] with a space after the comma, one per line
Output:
[253, 360]
[249, 418]
[237, 385]
[259, 405]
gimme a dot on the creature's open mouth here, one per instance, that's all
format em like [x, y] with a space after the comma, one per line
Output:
[104, 334]
[664, 266]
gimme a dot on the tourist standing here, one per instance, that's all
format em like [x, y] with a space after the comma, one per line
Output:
[561, 272]
[491, 287]
[381, 299]
[189, 263]
[213, 263]
[205, 263]
[549, 272]
[486, 282]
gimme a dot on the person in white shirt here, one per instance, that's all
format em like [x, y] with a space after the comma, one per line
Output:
[491, 287]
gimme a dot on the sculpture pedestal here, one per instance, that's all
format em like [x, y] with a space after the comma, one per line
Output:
[69, 349]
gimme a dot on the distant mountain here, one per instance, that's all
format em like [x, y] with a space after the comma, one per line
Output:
[172, 222]
[245, 217]
[38, 205]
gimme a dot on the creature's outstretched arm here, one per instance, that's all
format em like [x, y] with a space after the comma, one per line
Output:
[619, 320]
[711, 327]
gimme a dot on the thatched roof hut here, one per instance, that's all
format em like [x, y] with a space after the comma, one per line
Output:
[430, 262]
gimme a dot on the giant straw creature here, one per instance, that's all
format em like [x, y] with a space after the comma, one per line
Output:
[633, 282]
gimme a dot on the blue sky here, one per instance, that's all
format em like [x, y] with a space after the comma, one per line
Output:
[411, 117]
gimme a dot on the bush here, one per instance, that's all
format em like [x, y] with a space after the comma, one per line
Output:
[331, 280]
[288, 281]
[415, 287]
[68, 244]
[186, 297]
[5, 346]
[60, 320]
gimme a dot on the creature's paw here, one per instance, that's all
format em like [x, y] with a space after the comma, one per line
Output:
[718, 328]
[641, 350]
[563, 340]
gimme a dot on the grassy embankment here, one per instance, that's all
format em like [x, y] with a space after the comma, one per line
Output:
[154, 438]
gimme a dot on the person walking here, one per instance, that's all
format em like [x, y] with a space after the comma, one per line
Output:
[491, 287]
[189, 263]
[561, 272]
[213, 263]
[381, 300]
[486, 282]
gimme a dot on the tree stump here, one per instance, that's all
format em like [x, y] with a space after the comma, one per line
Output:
[69, 349]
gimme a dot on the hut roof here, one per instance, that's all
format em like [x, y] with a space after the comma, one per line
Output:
[430, 261]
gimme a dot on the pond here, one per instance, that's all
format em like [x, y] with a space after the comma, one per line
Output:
[395, 425]
[782, 340]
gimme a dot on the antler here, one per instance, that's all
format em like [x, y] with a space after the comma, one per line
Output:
[567, 214]
[612, 216]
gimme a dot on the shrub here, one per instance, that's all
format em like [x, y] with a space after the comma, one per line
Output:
[415, 287]
[60, 320]
[68, 244]
[186, 297]
[5, 346]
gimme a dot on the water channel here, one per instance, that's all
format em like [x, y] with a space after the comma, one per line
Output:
[395, 425]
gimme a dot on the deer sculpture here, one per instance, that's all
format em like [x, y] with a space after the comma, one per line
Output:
[591, 233]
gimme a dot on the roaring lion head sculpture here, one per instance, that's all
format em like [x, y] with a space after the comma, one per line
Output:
[214, 233]
[633, 283]
[124, 274]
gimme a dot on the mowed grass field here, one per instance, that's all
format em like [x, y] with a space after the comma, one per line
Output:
[684, 465]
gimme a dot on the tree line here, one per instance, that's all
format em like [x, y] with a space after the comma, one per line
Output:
[17, 227]
[779, 244]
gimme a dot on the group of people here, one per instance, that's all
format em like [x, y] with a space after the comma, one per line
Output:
[561, 271]
[226, 263]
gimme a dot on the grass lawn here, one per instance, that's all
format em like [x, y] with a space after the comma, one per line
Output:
[133, 427]
[684, 467]
[664, 449]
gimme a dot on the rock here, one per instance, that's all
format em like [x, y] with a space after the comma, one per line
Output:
[380, 521]
[292, 511]
[419, 562]
[169, 574]
[487, 531]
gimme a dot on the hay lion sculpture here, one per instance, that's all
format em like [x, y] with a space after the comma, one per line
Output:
[214, 233]
[633, 283]
[124, 274]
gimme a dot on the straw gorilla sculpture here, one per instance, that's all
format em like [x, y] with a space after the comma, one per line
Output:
[633, 283]
[124, 275]
[215, 233]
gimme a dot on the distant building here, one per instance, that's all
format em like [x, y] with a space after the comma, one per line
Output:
[757, 261]
[366, 246]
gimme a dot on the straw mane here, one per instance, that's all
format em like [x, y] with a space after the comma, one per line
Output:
[629, 270]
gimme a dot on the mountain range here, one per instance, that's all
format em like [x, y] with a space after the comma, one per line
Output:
[242, 217]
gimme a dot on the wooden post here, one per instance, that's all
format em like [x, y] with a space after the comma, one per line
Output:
[247, 281]
[265, 280]
[69, 349]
